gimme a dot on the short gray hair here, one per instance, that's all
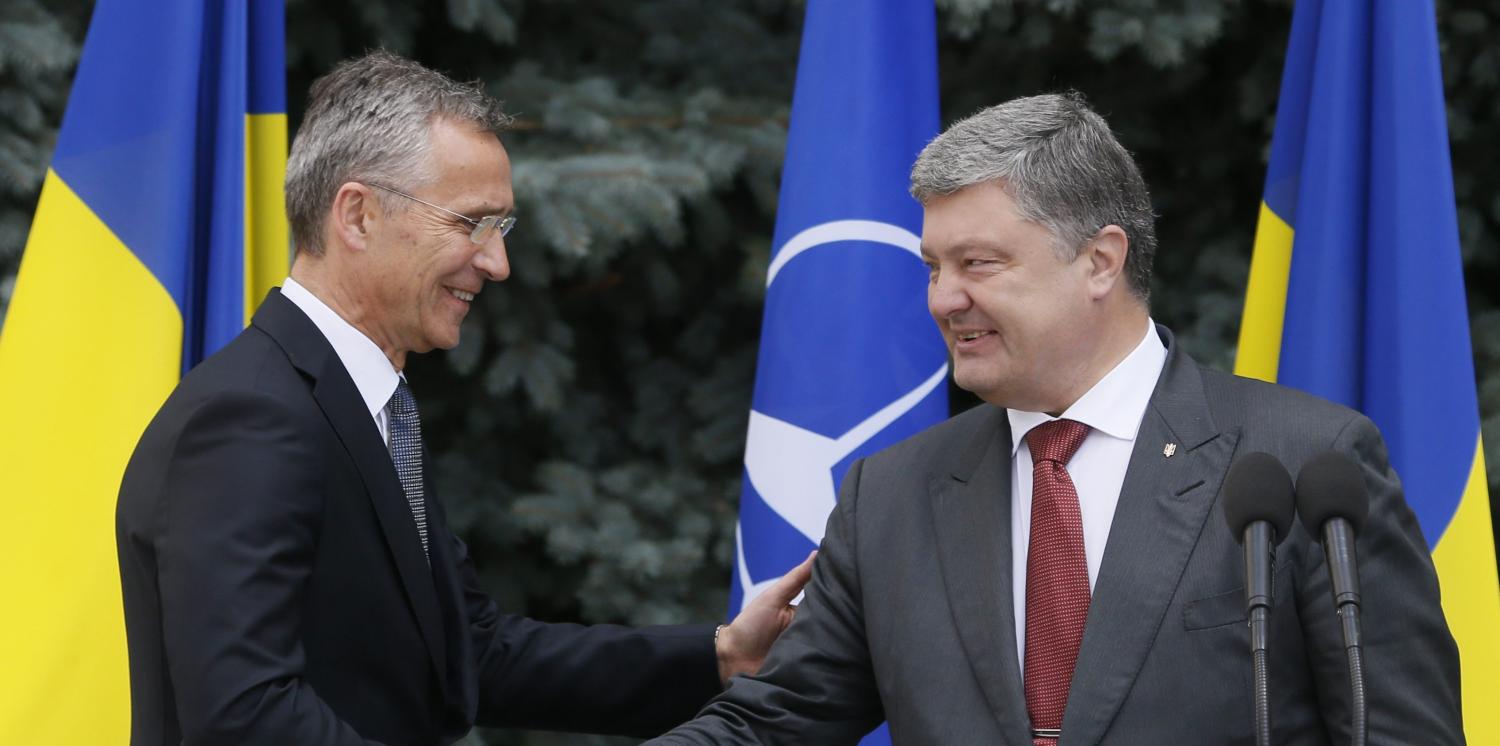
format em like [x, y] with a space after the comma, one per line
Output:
[370, 120]
[1061, 164]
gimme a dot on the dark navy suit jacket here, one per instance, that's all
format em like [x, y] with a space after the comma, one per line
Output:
[276, 591]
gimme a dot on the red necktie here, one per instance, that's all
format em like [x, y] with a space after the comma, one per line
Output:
[1057, 577]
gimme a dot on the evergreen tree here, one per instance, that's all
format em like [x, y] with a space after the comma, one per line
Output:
[38, 49]
[588, 432]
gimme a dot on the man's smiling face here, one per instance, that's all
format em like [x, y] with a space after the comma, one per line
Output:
[424, 271]
[1013, 313]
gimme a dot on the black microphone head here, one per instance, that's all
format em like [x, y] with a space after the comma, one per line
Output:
[1258, 488]
[1331, 485]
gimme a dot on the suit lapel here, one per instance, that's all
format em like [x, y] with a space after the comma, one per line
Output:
[1163, 504]
[340, 401]
[971, 515]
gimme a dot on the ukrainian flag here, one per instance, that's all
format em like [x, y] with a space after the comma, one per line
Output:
[159, 228]
[1357, 293]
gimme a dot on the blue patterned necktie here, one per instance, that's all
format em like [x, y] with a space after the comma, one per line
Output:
[406, 451]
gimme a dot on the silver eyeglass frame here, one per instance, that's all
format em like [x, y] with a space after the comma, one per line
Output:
[482, 227]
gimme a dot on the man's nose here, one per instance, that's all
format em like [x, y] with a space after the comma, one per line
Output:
[946, 297]
[492, 259]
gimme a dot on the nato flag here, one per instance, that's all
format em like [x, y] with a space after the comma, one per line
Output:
[850, 361]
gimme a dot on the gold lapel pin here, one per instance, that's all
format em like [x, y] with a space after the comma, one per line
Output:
[1169, 449]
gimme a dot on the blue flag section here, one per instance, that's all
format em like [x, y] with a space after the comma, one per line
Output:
[1357, 291]
[850, 362]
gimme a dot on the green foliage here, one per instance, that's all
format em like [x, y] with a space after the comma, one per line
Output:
[1471, 81]
[38, 47]
[589, 429]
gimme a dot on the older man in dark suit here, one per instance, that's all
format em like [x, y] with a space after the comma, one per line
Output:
[289, 577]
[1053, 567]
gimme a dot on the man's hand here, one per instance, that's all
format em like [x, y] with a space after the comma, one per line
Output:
[742, 644]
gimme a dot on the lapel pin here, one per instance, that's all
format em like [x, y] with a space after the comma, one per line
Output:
[1169, 449]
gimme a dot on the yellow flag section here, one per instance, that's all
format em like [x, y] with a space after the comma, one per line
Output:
[1465, 559]
[266, 234]
[1356, 289]
[73, 411]
[1265, 299]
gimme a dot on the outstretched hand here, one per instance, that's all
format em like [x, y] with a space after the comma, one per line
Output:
[742, 644]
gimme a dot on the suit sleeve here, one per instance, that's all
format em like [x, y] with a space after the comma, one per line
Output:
[817, 684]
[238, 524]
[595, 679]
[1410, 658]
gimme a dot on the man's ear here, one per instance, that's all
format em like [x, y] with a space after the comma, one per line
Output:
[1106, 251]
[354, 209]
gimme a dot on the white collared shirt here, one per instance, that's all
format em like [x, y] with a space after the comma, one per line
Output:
[371, 370]
[1113, 410]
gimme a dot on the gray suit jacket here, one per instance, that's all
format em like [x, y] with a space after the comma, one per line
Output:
[909, 617]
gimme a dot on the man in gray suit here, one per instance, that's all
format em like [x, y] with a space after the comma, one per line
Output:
[1053, 567]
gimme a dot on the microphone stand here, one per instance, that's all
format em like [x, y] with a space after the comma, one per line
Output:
[1262, 687]
[1258, 499]
[1349, 618]
[1338, 545]
[1259, 541]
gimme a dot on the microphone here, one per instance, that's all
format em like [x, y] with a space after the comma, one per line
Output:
[1331, 496]
[1258, 502]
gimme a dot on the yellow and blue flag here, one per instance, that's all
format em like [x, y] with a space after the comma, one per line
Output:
[160, 226]
[1357, 293]
[850, 362]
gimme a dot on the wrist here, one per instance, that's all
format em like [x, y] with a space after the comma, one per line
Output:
[721, 653]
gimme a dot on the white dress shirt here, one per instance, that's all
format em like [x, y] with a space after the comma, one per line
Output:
[1113, 410]
[371, 370]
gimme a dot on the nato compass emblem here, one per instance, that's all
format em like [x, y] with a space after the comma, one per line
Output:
[850, 362]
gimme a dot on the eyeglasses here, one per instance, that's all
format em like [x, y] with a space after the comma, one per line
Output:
[483, 227]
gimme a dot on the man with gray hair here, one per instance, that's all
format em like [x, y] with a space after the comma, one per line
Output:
[1053, 566]
[288, 573]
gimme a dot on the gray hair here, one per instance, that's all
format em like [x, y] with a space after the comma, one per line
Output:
[1060, 163]
[369, 120]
